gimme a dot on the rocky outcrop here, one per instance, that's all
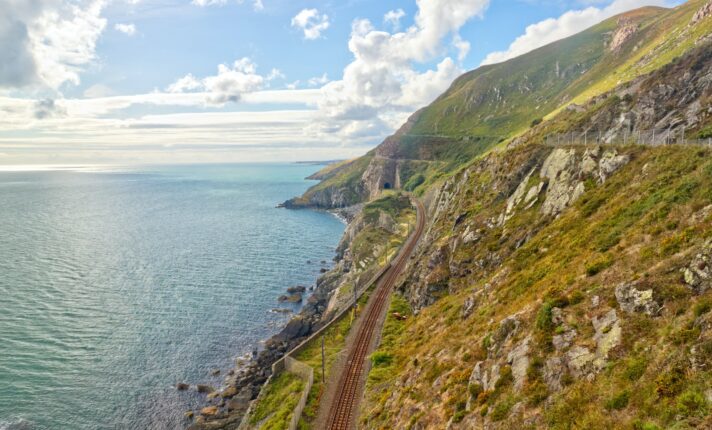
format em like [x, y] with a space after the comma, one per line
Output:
[632, 300]
[566, 172]
[702, 13]
[623, 33]
[380, 174]
[698, 274]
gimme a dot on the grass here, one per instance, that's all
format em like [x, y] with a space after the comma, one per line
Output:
[564, 263]
[277, 402]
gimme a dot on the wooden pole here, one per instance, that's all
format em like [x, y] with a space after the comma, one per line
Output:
[323, 377]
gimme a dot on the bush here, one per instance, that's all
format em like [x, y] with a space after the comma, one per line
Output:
[619, 401]
[668, 384]
[381, 359]
[635, 369]
[702, 308]
[692, 403]
[501, 410]
[599, 265]
[536, 122]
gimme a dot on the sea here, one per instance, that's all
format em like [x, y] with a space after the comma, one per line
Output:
[116, 283]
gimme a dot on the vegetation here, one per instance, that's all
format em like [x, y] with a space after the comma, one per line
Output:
[277, 402]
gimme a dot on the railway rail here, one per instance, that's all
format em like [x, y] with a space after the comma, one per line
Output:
[345, 403]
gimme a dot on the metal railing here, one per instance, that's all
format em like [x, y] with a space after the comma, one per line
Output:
[654, 137]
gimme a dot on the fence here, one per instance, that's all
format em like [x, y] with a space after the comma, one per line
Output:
[653, 137]
[307, 373]
[290, 364]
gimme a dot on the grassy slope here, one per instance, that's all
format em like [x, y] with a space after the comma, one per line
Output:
[282, 394]
[641, 224]
[497, 102]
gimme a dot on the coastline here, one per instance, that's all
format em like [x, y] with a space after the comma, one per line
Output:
[243, 382]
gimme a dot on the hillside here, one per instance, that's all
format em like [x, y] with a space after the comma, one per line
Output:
[496, 103]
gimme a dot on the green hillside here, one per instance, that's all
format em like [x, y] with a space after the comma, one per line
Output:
[495, 103]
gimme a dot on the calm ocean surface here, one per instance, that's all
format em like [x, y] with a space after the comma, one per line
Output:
[115, 285]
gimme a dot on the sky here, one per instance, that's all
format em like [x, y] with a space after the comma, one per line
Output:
[205, 81]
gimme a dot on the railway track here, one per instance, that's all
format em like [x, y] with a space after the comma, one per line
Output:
[343, 409]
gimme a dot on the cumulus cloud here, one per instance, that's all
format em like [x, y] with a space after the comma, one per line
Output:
[393, 18]
[48, 41]
[230, 83]
[127, 29]
[568, 24]
[311, 22]
[384, 83]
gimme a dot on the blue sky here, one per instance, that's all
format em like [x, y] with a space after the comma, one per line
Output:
[144, 81]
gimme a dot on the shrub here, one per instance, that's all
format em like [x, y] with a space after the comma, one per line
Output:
[669, 383]
[692, 403]
[639, 425]
[536, 122]
[501, 410]
[381, 359]
[599, 265]
[619, 401]
[702, 308]
[636, 368]
[475, 390]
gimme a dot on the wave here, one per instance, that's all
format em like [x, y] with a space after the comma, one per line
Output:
[17, 424]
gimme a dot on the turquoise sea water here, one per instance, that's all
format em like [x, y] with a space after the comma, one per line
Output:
[116, 285]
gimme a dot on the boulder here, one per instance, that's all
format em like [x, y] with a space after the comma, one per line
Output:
[204, 388]
[229, 392]
[519, 361]
[610, 162]
[296, 289]
[698, 274]
[468, 306]
[632, 300]
[563, 341]
[182, 386]
[209, 411]
[579, 360]
[608, 335]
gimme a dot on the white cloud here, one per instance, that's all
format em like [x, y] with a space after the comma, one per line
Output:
[128, 29]
[98, 90]
[462, 46]
[257, 5]
[311, 22]
[393, 18]
[185, 84]
[318, 81]
[48, 42]
[568, 24]
[203, 3]
[230, 83]
[382, 85]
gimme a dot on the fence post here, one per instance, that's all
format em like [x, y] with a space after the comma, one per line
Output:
[682, 134]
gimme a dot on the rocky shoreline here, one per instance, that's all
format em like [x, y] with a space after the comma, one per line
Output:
[224, 409]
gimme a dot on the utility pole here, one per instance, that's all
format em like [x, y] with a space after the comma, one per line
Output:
[323, 378]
